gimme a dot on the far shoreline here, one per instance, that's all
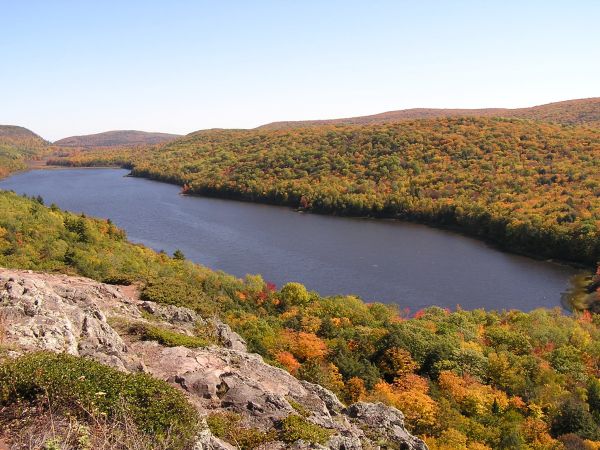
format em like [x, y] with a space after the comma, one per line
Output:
[37, 165]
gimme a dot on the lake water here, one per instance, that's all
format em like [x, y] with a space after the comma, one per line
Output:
[412, 265]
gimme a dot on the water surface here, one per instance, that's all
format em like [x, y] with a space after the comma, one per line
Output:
[409, 264]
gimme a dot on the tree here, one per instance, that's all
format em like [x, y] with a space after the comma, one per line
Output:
[396, 362]
[287, 360]
[574, 417]
[355, 390]
[293, 294]
[594, 398]
[178, 255]
[304, 346]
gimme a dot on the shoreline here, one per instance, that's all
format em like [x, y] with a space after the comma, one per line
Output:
[449, 228]
[565, 303]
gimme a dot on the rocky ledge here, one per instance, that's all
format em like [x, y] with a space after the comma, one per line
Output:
[79, 316]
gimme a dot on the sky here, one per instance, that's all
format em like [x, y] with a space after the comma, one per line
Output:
[81, 66]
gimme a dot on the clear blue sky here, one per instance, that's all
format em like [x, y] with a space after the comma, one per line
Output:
[76, 67]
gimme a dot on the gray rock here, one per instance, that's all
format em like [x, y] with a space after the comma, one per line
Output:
[43, 317]
[229, 338]
[170, 313]
[333, 404]
[383, 422]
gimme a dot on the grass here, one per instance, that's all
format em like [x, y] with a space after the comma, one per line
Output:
[166, 337]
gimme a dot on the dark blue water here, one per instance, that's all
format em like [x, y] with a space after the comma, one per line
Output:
[404, 263]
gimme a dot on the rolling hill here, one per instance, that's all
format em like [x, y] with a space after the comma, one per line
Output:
[16, 133]
[116, 138]
[571, 112]
[18, 144]
[529, 186]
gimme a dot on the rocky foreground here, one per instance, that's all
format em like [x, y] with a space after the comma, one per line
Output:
[84, 318]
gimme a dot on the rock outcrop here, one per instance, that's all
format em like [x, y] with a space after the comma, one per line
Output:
[62, 314]
[82, 317]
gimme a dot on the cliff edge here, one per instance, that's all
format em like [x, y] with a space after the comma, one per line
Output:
[109, 324]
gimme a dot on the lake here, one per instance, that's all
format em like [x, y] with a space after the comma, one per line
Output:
[408, 264]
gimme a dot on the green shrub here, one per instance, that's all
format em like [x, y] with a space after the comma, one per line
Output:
[221, 423]
[227, 426]
[84, 387]
[173, 291]
[298, 407]
[166, 337]
[295, 427]
[292, 294]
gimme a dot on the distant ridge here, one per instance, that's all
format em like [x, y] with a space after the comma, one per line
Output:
[570, 112]
[16, 133]
[116, 138]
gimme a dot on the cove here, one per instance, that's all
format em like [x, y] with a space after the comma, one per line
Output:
[395, 262]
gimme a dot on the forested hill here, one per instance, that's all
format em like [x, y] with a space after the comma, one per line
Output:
[16, 145]
[571, 112]
[531, 187]
[16, 134]
[116, 138]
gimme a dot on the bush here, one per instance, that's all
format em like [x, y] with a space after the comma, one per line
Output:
[85, 387]
[227, 426]
[295, 427]
[173, 290]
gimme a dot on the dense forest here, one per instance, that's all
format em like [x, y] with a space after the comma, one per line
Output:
[530, 187]
[18, 144]
[464, 379]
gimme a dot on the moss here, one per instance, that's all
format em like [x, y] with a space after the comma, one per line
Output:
[295, 427]
[166, 337]
[82, 386]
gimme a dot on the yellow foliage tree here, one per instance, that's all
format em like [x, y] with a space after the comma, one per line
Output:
[472, 396]
[355, 390]
[397, 362]
[304, 345]
[418, 407]
[287, 360]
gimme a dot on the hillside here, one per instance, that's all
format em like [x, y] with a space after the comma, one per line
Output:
[116, 138]
[493, 378]
[527, 186]
[164, 342]
[16, 133]
[570, 112]
[18, 144]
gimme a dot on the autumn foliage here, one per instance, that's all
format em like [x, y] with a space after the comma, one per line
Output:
[530, 187]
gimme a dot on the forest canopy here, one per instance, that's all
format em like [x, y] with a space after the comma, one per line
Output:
[530, 187]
